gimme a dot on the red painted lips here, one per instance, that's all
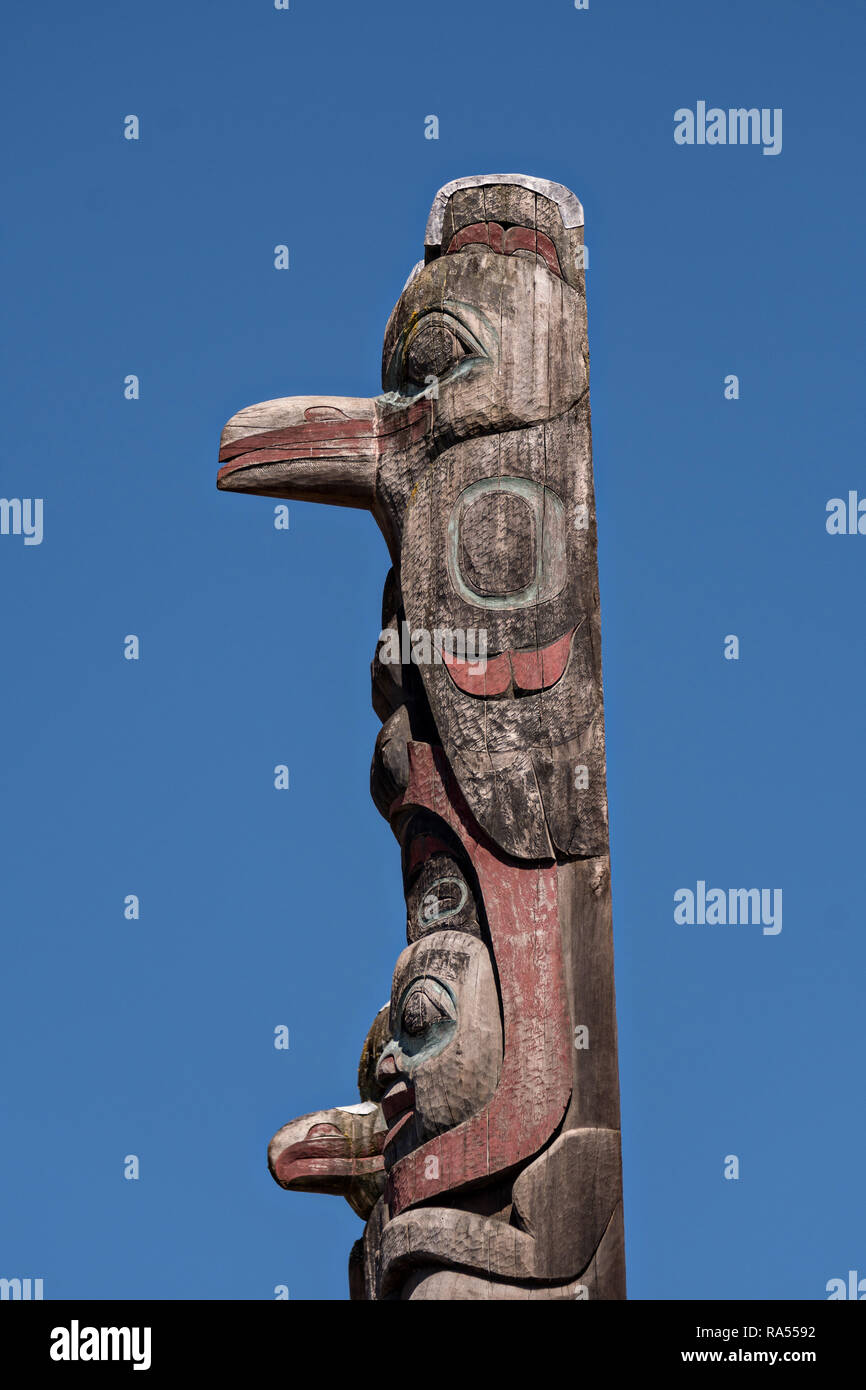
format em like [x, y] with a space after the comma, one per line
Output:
[531, 671]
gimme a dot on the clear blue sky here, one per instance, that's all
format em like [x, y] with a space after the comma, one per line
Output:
[155, 777]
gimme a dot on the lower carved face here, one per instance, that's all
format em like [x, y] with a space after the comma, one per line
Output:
[444, 1060]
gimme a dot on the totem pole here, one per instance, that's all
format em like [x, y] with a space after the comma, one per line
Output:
[484, 1155]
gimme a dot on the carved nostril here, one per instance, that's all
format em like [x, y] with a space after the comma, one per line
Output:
[387, 1067]
[324, 412]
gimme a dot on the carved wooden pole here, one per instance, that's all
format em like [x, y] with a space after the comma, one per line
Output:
[485, 1152]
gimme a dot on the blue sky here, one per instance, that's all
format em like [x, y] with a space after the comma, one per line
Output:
[155, 777]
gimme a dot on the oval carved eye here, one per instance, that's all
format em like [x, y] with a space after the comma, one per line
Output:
[426, 1003]
[444, 898]
[431, 352]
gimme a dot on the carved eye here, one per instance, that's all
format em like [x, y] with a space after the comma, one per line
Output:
[426, 1004]
[432, 351]
[436, 344]
[444, 898]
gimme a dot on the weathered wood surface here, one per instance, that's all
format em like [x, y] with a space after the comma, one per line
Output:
[486, 1159]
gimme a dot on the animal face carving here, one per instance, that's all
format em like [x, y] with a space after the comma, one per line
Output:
[443, 1062]
[339, 1150]
[476, 464]
[462, 323]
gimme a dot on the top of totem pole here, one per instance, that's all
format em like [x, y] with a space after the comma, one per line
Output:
[492, 208]
[570, 207]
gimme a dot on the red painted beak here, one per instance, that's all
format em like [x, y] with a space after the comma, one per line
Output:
[325, 1158]
[306, 448]
[318, 448]
[338, 1151]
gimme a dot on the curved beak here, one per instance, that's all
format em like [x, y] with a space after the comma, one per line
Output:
[337, 1151]
[305, 448]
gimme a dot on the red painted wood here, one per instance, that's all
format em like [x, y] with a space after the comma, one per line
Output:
[326, 439]
[536, 670]
[326, 1153]
[527, 239]
[486, 233]
[539, 669]
[331, 430]
[493, 679]
[535, 1082]
[505, 243]
[309, 432]
[423, 848]
[302, 1169]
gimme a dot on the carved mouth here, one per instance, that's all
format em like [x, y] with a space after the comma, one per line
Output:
[398, 1107]
[512, 673]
